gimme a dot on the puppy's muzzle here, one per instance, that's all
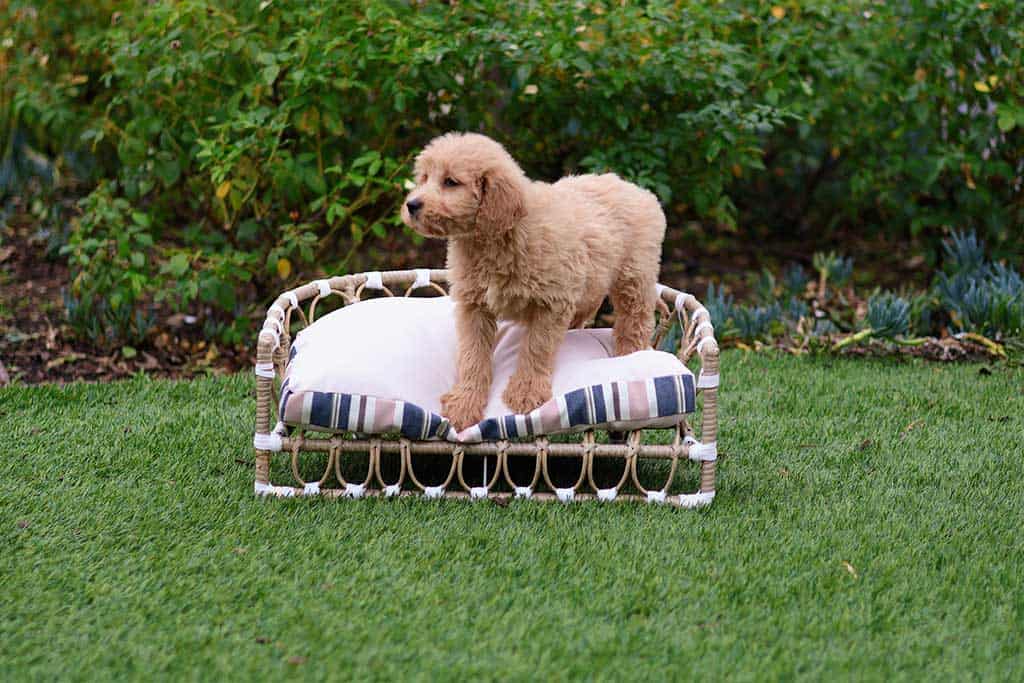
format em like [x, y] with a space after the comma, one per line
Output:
[414, 206]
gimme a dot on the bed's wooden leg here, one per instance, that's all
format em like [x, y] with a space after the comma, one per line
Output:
[262, 467]
[709, 420]
[264, 391]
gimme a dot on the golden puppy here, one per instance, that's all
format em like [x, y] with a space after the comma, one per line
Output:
[541, 254]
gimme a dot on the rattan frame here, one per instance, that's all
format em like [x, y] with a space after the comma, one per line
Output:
[272, 354]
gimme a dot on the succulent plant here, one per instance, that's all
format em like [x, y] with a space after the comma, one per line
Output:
[794, 279]
[754, 322]
[964, 252]
[720, 306]
[888, 315]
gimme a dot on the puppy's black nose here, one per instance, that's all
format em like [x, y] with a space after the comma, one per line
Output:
[414, 205]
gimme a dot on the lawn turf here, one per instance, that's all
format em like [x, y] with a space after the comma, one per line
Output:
[868, 526]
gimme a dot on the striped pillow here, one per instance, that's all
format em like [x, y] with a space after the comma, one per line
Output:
[390, 377]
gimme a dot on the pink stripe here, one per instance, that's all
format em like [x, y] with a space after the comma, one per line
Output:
[639, 408]
[550, 418]
[293, 408]
[384, 416]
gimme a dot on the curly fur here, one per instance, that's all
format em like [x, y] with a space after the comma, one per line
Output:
[543, 254]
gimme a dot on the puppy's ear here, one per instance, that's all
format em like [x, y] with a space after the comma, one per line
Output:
[501, 201]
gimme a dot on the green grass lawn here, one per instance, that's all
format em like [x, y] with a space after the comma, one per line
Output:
[868, 525]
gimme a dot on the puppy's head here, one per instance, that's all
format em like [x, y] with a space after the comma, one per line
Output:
[466, 185]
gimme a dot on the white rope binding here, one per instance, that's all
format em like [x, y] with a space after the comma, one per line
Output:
[565, 495]
[271, 490]
[266, 442]
[312, 488]
[607, 495]
[524, 492]
[700, 499]
[702, 342]
[392, 490]
[698, 451]
[707, 381]
[354, 490]
[293, 298]
[374, 280]
[655, 496]
[273, 335]
[422, 278]
[477, 492]
[433, 491]
[265, 370]
[324, 287]
[681, 302]
[275, 323]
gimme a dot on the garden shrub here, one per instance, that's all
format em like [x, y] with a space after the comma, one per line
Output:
[257, 142]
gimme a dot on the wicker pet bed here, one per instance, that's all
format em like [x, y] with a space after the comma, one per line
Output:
[273, 441]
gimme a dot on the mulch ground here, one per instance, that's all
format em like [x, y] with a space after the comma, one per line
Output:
[37, 345]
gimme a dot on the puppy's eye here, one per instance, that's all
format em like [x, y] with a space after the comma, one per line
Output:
[451, 182]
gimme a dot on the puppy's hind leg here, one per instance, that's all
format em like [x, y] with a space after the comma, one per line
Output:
[633, 298]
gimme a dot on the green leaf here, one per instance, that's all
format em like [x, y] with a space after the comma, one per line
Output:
[713, 149]
[269, 73]
[1007, 121]
[168, 171]
[365, 158]
[178, 265]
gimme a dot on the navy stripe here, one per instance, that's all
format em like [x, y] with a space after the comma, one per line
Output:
[412, 421]
[689, 394]
[489, 429]
[320, 411]
[344, 403]
[665, 391]
[285, 393]
[600, 412]
[529, 425]
[511, 431]
[283, 404]
[291, 354]
[576, 407]
[435, 424]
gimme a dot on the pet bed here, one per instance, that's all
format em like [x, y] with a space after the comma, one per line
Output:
[368, 379]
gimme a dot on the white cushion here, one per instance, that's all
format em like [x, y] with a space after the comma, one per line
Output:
[382, 365]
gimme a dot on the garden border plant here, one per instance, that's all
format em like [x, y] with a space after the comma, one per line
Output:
[255, 142]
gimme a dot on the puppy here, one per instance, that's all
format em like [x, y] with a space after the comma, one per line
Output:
[544, 255]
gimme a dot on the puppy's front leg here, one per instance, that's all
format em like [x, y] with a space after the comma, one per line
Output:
[530, 385]
[464, 404]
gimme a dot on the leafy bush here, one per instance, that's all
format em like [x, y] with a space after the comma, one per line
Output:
[264, 140]
[110, 253]
[909, 120]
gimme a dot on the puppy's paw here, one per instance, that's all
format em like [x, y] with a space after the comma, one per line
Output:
[524, 393]
[463, 406]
